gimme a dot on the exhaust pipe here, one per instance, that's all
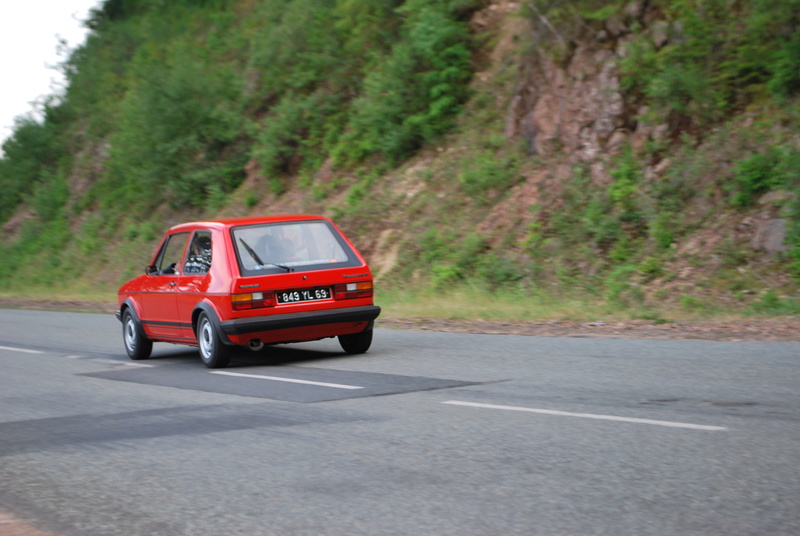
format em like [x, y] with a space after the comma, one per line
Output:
[255, 345]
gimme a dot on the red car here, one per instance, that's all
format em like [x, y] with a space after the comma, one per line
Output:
[249, 282]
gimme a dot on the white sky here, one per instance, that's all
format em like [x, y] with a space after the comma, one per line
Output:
[29, 37]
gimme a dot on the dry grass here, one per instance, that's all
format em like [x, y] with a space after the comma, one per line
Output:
[467, 303]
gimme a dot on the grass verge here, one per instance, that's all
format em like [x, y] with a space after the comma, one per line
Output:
[466, 302]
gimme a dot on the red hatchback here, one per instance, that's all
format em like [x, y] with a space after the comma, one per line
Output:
[249, 282]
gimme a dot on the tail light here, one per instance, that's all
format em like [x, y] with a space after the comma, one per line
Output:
[348, 291]
[254, 300]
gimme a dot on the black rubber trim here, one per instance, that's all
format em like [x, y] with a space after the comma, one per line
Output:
[129, 304]
[182, 325]
[365, 313]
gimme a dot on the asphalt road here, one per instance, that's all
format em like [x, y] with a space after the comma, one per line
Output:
[427, 434]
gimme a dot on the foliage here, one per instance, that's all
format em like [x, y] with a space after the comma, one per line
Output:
[777, 167]
[793, 234]
[173, 88]
[416, 91]
[295, 133]
[770, 303]
[31, 155]
[609, 221]
[169, 105]
[717, 57]
[177, 118]
[486, 174]
[584, 216]
[621, 288]
[624, 189]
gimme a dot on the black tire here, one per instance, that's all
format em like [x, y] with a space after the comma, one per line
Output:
[136, 342]
[357, 343]
[213, 352]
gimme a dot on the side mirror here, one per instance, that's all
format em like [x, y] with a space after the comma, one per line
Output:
[150, 269]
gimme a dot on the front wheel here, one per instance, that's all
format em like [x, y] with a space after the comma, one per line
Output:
[213, 352]
[356, 343]
[137, 344]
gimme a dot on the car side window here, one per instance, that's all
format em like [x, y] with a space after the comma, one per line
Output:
[169, 258]
[198, 258]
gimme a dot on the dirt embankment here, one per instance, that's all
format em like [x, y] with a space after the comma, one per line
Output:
[766, 330]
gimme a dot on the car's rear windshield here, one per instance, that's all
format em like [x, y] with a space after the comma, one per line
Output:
[291, 246]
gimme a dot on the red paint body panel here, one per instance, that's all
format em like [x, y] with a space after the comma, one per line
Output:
[168, 301]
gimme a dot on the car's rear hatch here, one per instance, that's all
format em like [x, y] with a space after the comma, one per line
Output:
[297, 266]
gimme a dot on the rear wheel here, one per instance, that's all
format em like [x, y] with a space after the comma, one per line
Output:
[356, 343]
[137, 344]
[213, 352]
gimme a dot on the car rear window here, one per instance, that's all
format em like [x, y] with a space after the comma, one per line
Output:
[292, 246]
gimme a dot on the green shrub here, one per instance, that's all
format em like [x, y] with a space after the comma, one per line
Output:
[494, 271]
[793, 235]
[413, 95]
[177, 117]
[663, 229]
[250, 200]
[445, 274]
[488, 173]
[620, 286]
[692, 303]
[754, 176]
[31, 152]
[770, 303]
[624, 190]
[49, 196]
[293, 133]
[785, 75]
[623, 249]
[652, 268]
[715, 58]
[777, 167]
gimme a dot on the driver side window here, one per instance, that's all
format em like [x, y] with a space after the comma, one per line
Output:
[169, 258]
[198, 259]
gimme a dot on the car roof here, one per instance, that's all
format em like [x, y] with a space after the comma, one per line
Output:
[225, 223]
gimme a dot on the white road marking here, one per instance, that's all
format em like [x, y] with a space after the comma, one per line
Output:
[290, 380]
[588, 416]
[23, 350]
[121, 363]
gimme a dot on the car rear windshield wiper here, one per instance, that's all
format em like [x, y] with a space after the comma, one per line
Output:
[287, 268]
[258, 260]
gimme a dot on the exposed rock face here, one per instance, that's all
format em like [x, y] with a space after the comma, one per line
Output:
[577, 108]
[770, 237]
[573, 108]
[572, 112]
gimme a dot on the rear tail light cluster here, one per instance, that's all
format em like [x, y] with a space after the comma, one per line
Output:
[348, 291]
[254, 300]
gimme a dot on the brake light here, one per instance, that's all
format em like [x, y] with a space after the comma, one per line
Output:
[349, 291]
[254, 300]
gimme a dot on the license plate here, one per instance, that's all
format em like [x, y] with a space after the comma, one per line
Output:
[295, 296]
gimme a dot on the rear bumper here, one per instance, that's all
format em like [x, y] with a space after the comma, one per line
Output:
[242, 326]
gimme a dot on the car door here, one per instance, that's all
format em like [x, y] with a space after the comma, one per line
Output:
[193, 283]
[159, 297]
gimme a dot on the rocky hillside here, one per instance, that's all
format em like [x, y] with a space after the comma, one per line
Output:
[643, 153]
[607, 196]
